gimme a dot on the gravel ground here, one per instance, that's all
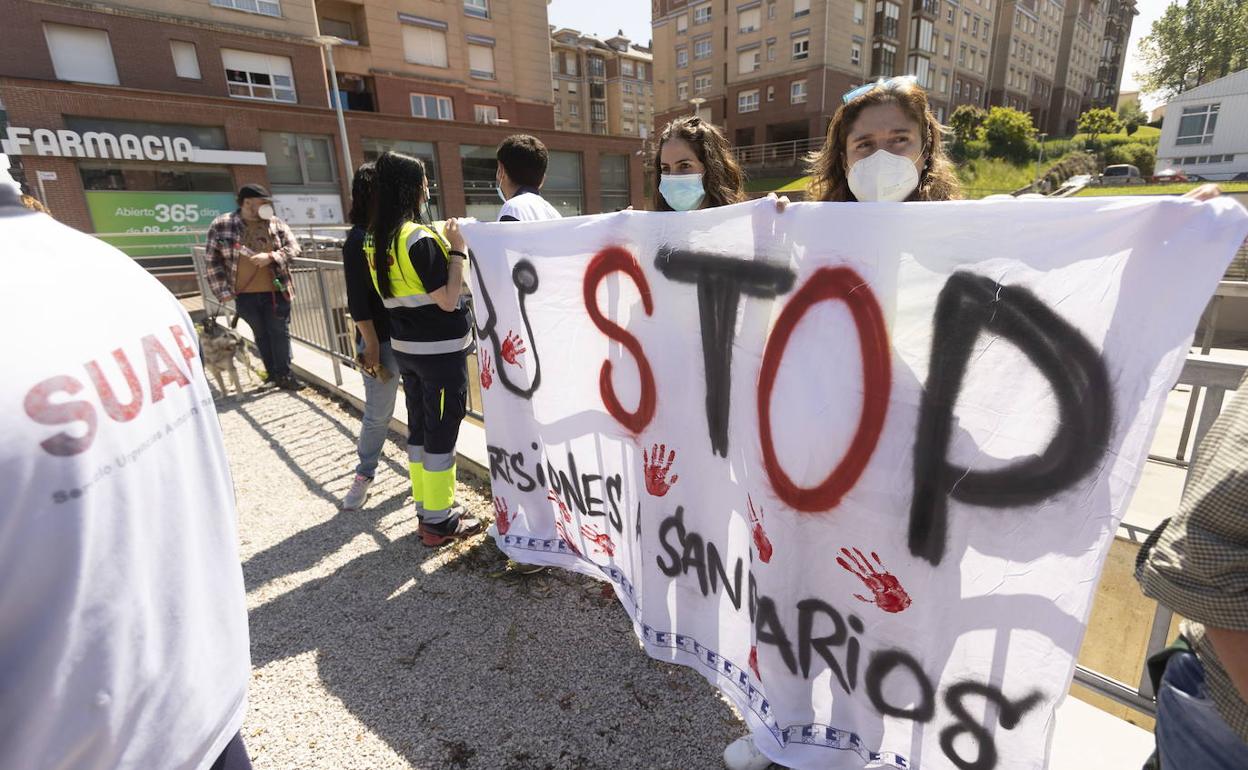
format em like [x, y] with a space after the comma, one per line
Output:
[370, 651]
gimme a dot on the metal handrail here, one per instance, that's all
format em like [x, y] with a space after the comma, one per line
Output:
[1217, 376]
[776, 153]
[319, 316]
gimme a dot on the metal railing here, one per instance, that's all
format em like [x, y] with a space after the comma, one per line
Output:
[790, 153]
[1216, 377]
[1225, 289]
[319, 316]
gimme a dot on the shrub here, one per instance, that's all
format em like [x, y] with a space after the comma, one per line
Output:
[1009, 133]
[1141, 156]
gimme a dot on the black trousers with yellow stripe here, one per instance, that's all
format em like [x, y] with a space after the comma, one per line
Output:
[436, 390]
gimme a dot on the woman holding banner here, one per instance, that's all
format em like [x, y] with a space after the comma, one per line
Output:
[695, 168]
[421, 286]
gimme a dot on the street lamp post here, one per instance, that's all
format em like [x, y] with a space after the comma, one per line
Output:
[335, 98]
[697, 103]
[1039, 160]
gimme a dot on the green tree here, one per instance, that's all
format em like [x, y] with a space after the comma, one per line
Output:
[1099, 121]
[1009, 133]
[966, 121]
[1132, 116]
[1193, 44]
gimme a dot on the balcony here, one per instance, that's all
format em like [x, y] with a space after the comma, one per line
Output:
[929, 8]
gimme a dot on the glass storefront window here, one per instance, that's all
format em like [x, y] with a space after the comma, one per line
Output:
[373, 148]
[613, 176]
[154, 177]
[563, 187]
[480, 188]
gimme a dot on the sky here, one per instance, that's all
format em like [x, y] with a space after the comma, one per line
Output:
[604, 18]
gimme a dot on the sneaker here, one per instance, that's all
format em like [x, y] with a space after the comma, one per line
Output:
[289, 383]
[458, 527]
[742, 754]
[357, 494]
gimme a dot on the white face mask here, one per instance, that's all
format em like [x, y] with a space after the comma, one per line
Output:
[265, 211]
[883, 176]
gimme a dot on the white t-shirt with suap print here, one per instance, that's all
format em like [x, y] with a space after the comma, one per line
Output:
[123, 628]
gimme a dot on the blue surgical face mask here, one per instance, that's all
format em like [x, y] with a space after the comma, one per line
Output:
[683, 192]
[499, 189]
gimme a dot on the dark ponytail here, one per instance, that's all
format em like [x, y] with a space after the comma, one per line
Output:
[399, 191]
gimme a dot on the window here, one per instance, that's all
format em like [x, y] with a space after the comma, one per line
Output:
[702, 14]
[771, 52]
[797, 92]
[701, 84]
[771, 9]
[613, 181]
[481, 62]
[81, 54]
[948, 47]
[485, 113]
[962, 56]
[966, 20]
[682, 57]
[921, 68]
[337, 28]
[598, 112]
[563, 188]
[801, 47]
[771, 93]
[628, 106]
[949, 16]
[883, 60]
[855, 54]
[682, 91]
[886, 19]
[957, 89]
[424, 45]
[747, 101]
[185, 60]
[628, 126]
[597, 67]
[682, 24]
[860, 12]
[570, 66]
[628, 89]
[944, 82]
[626, 67]
[702, 49]
[258, 76]
[299, 159]
[748, 61]
[977, 92]
[975, 27]
[922, 35]
[1197, 123]
[571, 88]
[801, 8]
[432, 107]
[478, 8]
[373, 148]
[574, 110]
[749, 21]
[263, 7]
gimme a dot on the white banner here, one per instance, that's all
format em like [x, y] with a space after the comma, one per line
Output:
[859, 464]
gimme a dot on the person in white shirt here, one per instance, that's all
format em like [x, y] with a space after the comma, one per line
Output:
[521, 172]
[123, 624]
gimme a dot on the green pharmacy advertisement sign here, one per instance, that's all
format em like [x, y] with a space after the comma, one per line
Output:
[150, 224]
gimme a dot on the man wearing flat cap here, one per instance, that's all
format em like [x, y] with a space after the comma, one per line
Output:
[249, 254]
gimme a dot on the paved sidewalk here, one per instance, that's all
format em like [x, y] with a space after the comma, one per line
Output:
[370, 651]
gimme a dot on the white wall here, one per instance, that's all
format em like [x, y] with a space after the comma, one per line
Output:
[1230, 137]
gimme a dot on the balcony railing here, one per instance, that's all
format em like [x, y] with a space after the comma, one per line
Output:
[776, 154]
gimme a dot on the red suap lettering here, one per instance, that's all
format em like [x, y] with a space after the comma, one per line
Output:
[161, 370]
[108, 399]
[611, 260]
[826, 285]
[184, 347]
[41, 408]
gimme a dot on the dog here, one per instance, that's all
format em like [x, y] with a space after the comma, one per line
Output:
[221, 348]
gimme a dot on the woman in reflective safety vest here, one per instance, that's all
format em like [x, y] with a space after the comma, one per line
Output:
[420, 280]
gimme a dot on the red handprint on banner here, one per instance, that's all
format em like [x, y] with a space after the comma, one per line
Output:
[513, 348]
[657, 468]
[600, 540]
[754, 662]
[553, 496]
[761, 543]
[562, 531]
[502, 517]
[887, 592]
[487, 371]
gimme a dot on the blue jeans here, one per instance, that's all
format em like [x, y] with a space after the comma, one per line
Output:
[1190, 733]
[378, 409]
[268, 315]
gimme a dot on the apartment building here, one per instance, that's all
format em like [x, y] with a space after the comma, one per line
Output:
[601, 86]
[146, 116]
[774, 70]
